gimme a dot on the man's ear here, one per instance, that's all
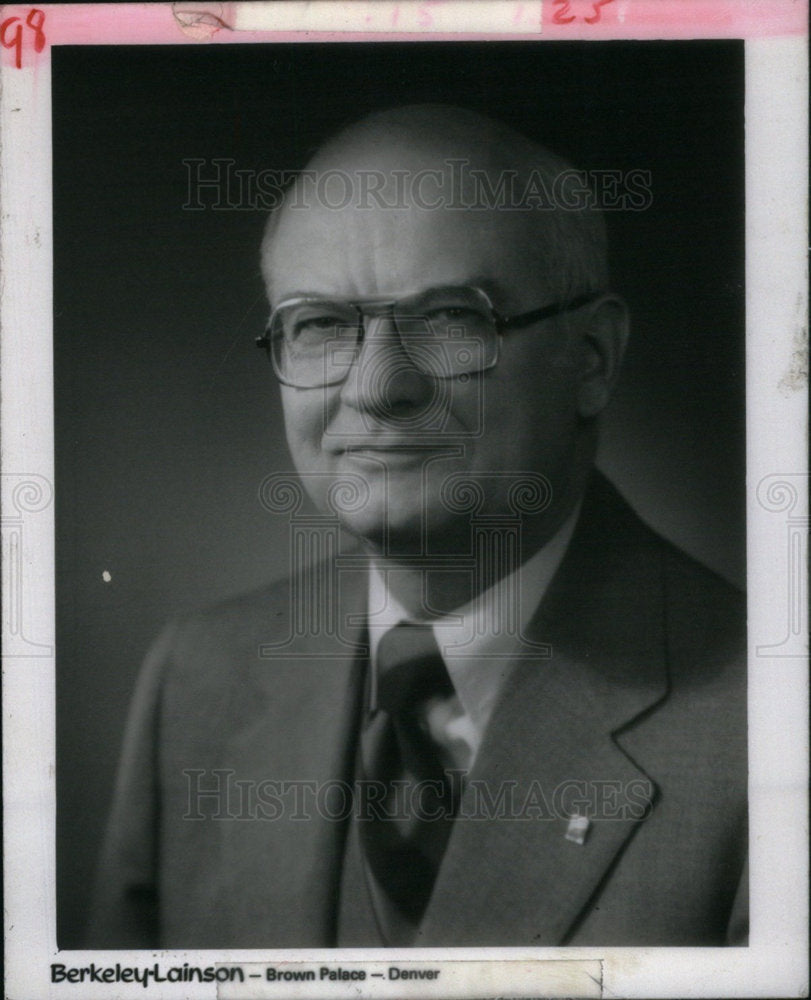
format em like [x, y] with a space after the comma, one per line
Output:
[602, 347]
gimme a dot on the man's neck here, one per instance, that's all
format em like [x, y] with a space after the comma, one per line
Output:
[429, 588]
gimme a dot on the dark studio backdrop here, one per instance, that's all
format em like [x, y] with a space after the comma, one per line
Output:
[167, 417]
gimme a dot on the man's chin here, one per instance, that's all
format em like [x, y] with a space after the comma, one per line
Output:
[403, 537]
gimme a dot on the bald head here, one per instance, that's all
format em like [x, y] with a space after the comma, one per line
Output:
[407, 163]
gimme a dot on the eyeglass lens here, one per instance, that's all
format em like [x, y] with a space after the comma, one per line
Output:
[444, 333]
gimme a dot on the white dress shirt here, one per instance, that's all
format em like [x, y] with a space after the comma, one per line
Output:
[478, 643]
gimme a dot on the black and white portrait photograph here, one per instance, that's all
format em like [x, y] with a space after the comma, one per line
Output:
[400, 469]
[404, 499]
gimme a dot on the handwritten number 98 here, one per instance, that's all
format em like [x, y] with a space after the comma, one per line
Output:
[11, 34]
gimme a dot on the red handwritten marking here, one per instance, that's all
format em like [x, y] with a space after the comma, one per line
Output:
[562, 15]
[34, 20]
[17, 41]
[595, 17]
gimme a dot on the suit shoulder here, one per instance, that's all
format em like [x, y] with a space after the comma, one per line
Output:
[251, 605]
[701, 727]
[706, 652]
[703, 616]
[238, 615]
[702, 604]
[211, 647]
[297, 614]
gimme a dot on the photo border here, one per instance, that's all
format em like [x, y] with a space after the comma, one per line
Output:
[776, 382]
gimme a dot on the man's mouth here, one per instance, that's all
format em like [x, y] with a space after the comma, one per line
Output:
[389, 453]
[390, 446]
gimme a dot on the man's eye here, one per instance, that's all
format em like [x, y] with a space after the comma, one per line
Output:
[316, 323]
[449, 312]
[318, 326]
[454, 316]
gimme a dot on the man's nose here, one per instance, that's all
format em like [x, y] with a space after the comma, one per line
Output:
[384, 380]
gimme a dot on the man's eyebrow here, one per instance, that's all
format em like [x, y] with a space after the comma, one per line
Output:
[302, 293]
[494, 289]
[312, 295]
[492, 286]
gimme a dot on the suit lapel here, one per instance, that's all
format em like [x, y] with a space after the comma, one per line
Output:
[553, 749]
[305, 696]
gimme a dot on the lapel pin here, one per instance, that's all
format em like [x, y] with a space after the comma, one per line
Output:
[577, 829]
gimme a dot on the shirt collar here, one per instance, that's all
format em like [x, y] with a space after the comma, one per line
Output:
[478, 640]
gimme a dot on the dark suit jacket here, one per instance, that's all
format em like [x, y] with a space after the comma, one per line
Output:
[643, 699]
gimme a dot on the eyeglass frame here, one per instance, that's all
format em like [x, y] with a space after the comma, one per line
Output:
[501, 324]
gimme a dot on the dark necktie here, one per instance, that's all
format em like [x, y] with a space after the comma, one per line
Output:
[410, 799]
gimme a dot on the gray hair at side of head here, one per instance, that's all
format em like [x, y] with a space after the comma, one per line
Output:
[571, 241]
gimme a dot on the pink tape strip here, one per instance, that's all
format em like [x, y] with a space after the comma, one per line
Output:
[674, 19]
[97, 24]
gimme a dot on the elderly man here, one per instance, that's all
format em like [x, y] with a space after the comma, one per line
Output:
[513, 715]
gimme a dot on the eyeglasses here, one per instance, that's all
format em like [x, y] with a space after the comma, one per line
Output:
[444, 332]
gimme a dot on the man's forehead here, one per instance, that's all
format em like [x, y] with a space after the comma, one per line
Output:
[355, 251]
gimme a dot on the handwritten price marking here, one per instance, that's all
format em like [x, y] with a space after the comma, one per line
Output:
[562, 14]
[12, 35]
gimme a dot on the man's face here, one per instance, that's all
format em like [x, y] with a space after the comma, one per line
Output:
[405, 440]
